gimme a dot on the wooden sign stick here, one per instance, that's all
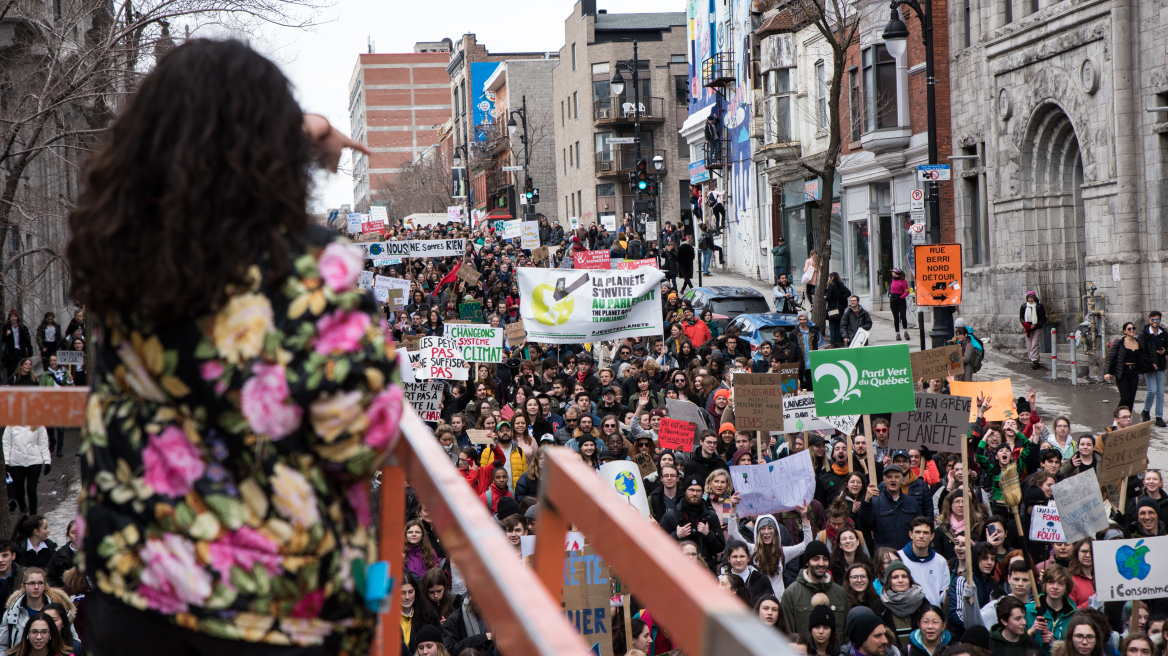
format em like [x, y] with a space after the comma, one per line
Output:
[871, 450]
[965, 485]
[761, 458]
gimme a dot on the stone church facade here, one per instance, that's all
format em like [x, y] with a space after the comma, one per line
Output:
[1060, 182]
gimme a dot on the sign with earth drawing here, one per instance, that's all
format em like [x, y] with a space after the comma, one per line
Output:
[861, 381]
[625, 477]
[575, 307]
[1125, 569]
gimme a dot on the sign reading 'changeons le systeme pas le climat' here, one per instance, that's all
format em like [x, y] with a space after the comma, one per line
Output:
[862, 380]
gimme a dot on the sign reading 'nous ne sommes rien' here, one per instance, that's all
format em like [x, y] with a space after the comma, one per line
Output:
[860, 381]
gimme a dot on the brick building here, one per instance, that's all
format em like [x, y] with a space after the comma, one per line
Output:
[397, 104]
[883, 112]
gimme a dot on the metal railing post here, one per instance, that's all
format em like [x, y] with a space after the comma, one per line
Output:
[1074, 358]
[1054, 353]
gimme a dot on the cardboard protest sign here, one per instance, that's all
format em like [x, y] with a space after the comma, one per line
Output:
[1045, 525]
[789, 374]
[1126, 453]
[530, 235]
[936, 363]
[587, 591]
[467, 273]
[758, 402]
[591, 260]
[396, 298]
[516, 335]
[676, 434]
[539, 254]
[479, 437]
[645, 464]
[799, 415]
[73, 358]
[574, 307]
[441, 359]
[1126, 570]
[860, 381]
[424, 398]
[938, 268]
[940, 422]
[625, 477]
[472, 311]
[411, 342]
[628, 265]
[999, 392]
[774, 487]
[1082, 511]
[685, 411]
[478, 342]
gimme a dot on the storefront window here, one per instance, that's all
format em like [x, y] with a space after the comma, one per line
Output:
[860, 278]
[902, 223]
[837, 240]
[795, 228]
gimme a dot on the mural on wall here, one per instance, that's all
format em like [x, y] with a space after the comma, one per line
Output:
[484, 101]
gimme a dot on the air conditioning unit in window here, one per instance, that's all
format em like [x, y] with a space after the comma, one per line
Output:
[606, 166]
[605, 113]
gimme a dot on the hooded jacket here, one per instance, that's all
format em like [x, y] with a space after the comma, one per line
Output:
[931, 572]
[917, 648]
[999, 646]
[16, 615]
[796, 602]
[701, 467]
[1058, 628]
[790, 554]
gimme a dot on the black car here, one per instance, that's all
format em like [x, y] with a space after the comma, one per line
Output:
[727, 302]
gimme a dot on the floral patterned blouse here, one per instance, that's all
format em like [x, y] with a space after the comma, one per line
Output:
[226, 458]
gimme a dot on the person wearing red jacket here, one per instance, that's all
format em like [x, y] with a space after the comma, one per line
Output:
[494, 481]
[697, 331]
[468, 468]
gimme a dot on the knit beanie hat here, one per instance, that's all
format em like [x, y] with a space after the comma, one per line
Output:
[507, 507]
[978, 636]
[429, 633]
[861, 626]
[1148, 502]
[893, 566]
[587, 437]
[822, 616]
[815, 548]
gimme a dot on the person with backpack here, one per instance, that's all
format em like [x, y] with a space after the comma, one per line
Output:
[971, 357]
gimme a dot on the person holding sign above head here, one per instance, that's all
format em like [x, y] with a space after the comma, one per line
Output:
[770, 556]
[693, 520]
[888, 512]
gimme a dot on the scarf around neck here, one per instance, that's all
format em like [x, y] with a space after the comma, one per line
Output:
[956, 523]
[839, 471]
[903, 604]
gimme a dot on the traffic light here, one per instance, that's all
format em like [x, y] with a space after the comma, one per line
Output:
[533, 197]
[528, 190]
[653, 189]
[642, 175]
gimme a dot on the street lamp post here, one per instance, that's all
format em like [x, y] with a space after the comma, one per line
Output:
[458, 162]
[896, 40]
[618, 88]
[512, 127]
[658, 164]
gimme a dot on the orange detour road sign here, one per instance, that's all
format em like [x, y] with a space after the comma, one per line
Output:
[938, 274]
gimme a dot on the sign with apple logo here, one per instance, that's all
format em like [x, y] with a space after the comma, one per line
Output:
[1124, 571]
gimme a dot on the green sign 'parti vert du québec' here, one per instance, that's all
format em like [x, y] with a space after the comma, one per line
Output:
[862, 380]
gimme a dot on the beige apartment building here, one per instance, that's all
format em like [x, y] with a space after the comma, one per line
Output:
[592, 174]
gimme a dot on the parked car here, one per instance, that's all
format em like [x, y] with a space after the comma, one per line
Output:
[758, 327]
[727, 302]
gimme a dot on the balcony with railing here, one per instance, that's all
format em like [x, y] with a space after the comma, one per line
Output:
[718, 70]
[616, 110]
[623, 160]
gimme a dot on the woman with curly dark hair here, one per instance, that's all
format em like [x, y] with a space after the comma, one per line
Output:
[215, 306]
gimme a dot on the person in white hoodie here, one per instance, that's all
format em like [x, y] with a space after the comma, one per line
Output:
[770, 556]
[26, 453]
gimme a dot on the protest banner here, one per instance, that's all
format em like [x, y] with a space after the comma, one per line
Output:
[414, 248]
[936, 363]
[938, 268]
[441, 359]
[353, 223]
[72, 358]
[1000, 394]
[774, 487]
[1082, 511]
[574, 307]
[1124, 571]
[479, 342]
[843, 423]
[516, 335]
[373, 225]
[859, 339]
[539, 254]
[591, 260]
[758, 402]
[860, 381]
[512, 229]
[530, 235]
[1045, 525]
[472, 311]
[366, 280]
[424, 397]
[628, 265]
[386, 261]
[378, 213]
[685, 411]
[625, 477]
[940, 422]
[799, 415]
[676, 434]
[1126, 453]
[467, 273]
[789, 374]
[479, 437]
[587, 591]
[405, 368]
[573, 541]
[381, 294]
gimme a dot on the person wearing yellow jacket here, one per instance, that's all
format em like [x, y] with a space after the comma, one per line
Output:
[513, 458]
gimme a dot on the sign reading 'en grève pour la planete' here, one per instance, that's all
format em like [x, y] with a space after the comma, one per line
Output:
[860, 381]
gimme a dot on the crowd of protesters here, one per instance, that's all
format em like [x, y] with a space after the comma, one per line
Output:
[873, 565]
